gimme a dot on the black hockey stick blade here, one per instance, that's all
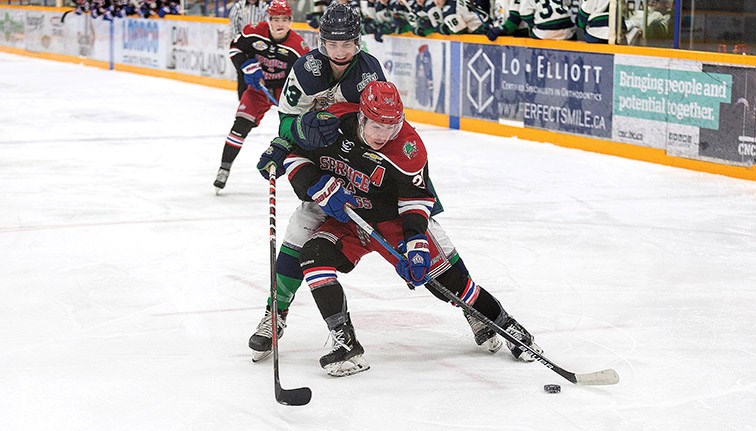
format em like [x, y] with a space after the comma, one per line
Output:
[293, 397]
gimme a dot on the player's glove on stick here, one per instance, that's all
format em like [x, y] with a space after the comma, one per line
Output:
[316, 129]
[275, 155]
[252, 73]
[331, 196]
[416, 262]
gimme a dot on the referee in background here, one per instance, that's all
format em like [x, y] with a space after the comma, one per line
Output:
[242, 13]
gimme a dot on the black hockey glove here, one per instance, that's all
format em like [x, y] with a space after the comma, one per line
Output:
[315, 129]
[493, 32]
[313, 19]
[275, 155]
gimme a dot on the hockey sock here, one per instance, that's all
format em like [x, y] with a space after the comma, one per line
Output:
[462, 285]
[235, 140]
[328, 295]
[288, 276]
[320, 258]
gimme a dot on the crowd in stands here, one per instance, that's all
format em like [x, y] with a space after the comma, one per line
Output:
[541, 19]
[109, 9]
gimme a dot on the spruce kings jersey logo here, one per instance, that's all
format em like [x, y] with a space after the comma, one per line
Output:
[410, 149]
[313, 65]
[367, 78]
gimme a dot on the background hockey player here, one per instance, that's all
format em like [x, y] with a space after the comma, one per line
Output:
[265, 53]
[242, 14]
[548, 19]
[335, 72]
[506, 20]
[461, 16]
[379, 167]
[593, 18]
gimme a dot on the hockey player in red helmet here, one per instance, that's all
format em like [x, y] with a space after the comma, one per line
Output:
[378, 166]
[279, 19]
[331, 74]
[265, 53]
[381, 114]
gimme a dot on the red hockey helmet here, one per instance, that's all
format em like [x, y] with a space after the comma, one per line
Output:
[381, 113]
[380, 102]
[279, 8]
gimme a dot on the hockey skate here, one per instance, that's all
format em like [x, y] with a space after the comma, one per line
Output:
[513, 328]
[345, 357]
[484, 336]
[262, 340]
[220, 179]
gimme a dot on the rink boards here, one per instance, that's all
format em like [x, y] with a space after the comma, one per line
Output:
[681, 108]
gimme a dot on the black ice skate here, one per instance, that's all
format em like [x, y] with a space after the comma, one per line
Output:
[345, 357]
[484, 336]
[220, 179]
[513, 328]
[262, 340]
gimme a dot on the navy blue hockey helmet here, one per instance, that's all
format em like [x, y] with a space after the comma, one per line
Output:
[340, 22]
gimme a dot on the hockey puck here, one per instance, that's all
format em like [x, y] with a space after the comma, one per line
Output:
[552, 389]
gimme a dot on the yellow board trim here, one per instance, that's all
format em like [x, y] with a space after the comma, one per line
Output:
[432, 118]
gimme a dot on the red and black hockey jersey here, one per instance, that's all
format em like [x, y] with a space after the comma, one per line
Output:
[387, 184]
[275, 58]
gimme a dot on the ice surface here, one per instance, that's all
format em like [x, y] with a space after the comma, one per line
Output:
[128, 290]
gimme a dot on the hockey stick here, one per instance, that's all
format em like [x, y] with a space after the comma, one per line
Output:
[604, 377]
[289, 397]
[270, 96]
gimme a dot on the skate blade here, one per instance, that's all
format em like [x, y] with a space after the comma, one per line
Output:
[354, 365]
[217, 191]
[259, 356]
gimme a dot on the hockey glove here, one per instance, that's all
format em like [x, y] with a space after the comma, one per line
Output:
[331, 196]
[313, 19]
[275, 155]
[252, 73]
[416, 261]
[493, 32]
[315, 129]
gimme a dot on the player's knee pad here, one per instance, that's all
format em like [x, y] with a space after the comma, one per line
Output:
[242, 126]
[322, 252]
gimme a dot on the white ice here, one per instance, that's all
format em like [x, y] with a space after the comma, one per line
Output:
[129, 289]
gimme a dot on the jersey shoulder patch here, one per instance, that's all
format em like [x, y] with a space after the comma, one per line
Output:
[313, 72]
[407, 151]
